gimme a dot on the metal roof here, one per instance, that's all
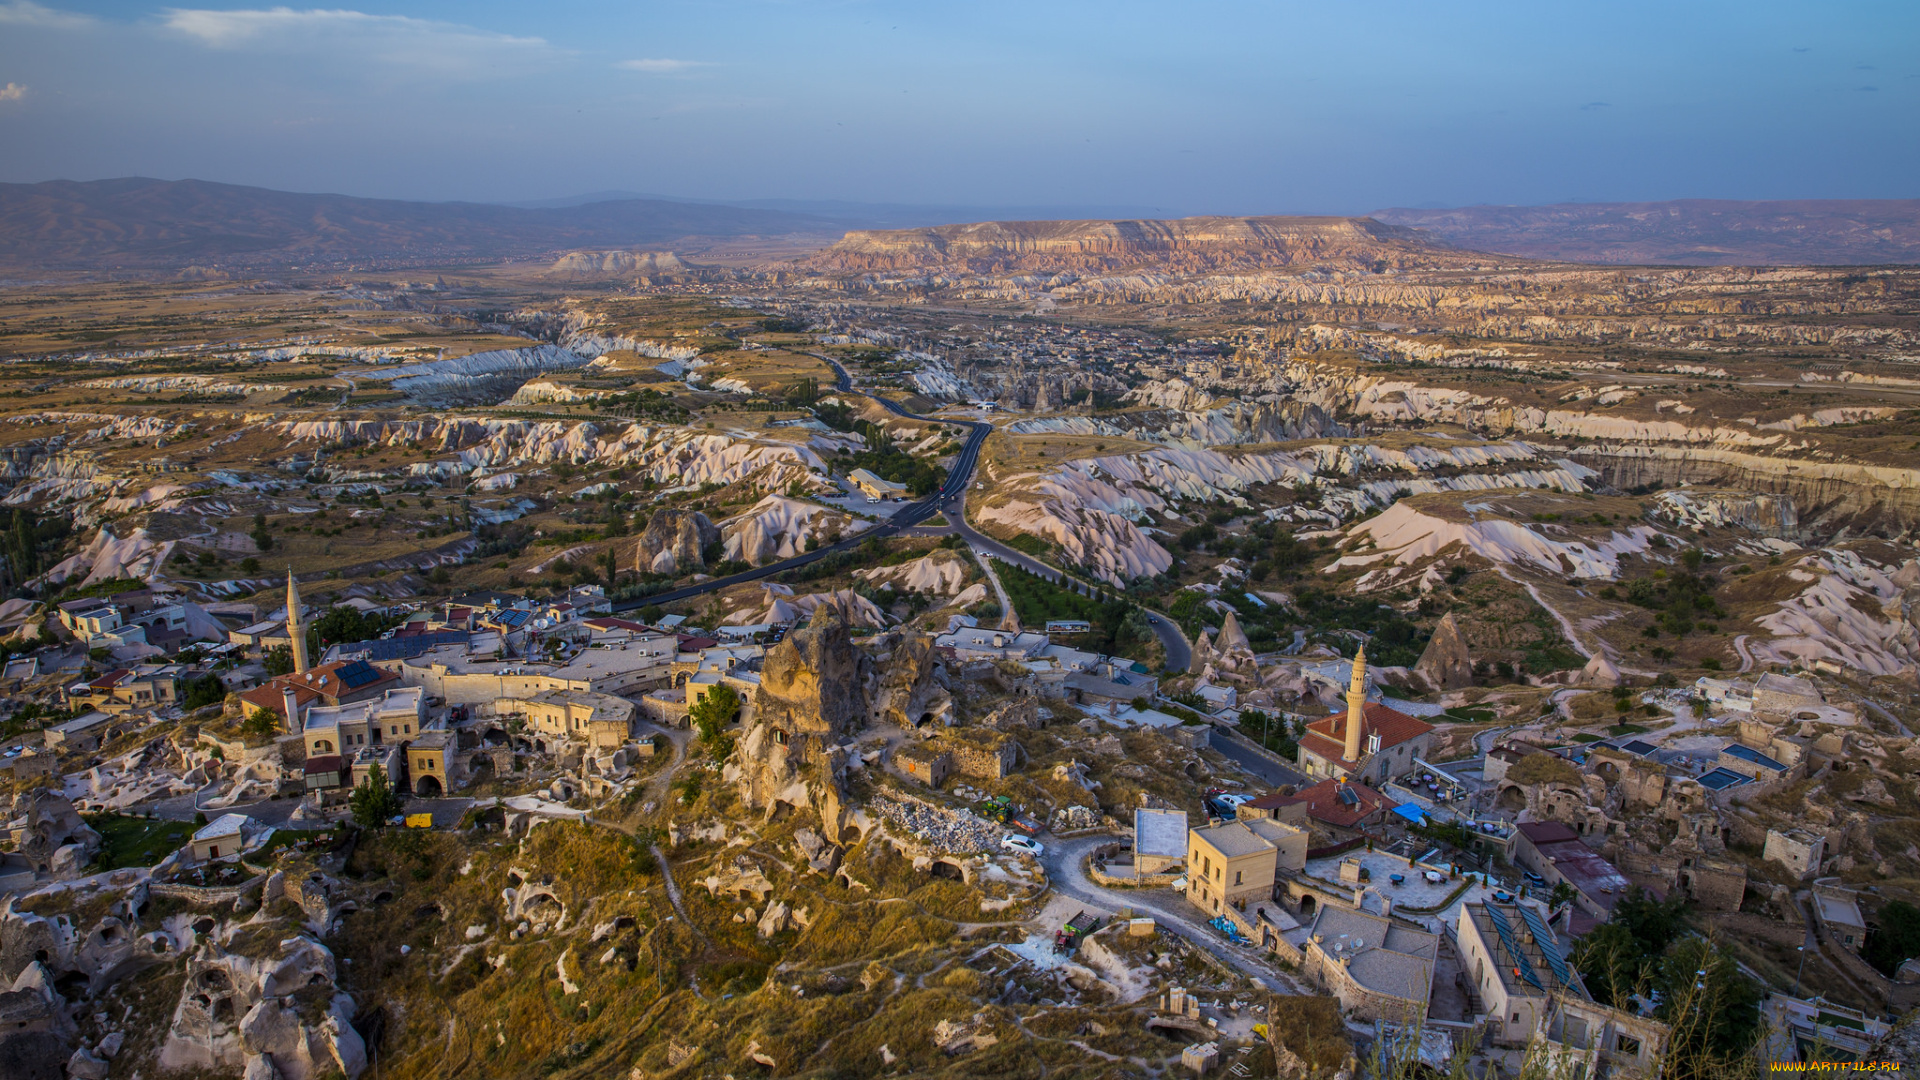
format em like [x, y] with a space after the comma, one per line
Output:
[1160, 832]
[1748, 753]
[1722, 779]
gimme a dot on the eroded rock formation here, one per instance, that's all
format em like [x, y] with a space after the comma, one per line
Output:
[675, 541]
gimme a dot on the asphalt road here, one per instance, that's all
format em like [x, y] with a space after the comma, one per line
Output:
[1242, 754]
[950, 500]
[1169, 911]
[908, 516]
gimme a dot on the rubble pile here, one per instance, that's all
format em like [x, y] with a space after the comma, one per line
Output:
[937, 828]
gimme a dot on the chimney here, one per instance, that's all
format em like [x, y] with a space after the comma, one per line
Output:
[292, 705]
[1356, 704]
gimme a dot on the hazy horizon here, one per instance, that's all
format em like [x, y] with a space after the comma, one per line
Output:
[1224, 108]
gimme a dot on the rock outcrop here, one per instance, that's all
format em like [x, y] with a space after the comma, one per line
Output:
[57, 842]
[814, 690]
[675, 542]
[910, 692]
[1446, 665]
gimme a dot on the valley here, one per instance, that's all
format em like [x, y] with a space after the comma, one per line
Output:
[1082, 648]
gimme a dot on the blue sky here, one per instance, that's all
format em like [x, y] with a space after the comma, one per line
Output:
[1194, 107]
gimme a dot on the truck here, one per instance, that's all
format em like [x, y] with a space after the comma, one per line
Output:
[1076, 928]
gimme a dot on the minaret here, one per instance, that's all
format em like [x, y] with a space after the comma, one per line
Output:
[296, 626]
[1356, 704]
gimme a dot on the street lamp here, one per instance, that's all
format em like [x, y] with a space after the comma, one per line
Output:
[1802, 950]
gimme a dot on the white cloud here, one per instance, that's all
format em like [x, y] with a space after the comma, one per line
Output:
[12, 92]
[28, 13]
[660, 67]
[432, 47]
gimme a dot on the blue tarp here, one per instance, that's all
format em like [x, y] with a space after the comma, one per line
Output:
[1411, 813]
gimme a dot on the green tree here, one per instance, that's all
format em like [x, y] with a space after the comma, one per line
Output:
[373, 802]
[1894, 937]
[279, 660]
[1711, 1006]
[202, 692]
[711, 716]
[260, 724]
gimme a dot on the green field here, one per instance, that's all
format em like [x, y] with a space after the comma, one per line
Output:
[132, 841]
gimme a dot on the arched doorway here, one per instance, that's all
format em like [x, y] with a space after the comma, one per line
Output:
[428, 787]
[322, 746]
[1307, 903]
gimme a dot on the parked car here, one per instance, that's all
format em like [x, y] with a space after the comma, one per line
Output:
[1022, 845]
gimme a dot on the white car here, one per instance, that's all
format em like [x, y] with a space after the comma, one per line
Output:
[1021, 845]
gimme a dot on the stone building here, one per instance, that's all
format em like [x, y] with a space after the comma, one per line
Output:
[1836, 911]
[1370, 742]
[1515, 964]
[1555, 852]
[1236, 861]
[430, 764]
[1799, 850]
[925, 762]
[1380, 969]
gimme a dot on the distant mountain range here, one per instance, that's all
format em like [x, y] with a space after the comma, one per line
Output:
[139, 223]
[1841, 232]
[1190, 245]
[142, 223]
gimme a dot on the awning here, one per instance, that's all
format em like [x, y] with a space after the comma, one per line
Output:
[1411, 813]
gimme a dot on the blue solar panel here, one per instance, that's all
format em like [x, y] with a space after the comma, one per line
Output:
[1544, 938]
[358, 673]
[1513, 947]
[402, 648]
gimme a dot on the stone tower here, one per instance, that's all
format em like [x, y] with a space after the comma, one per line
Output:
[1356, 705]
[296, 625]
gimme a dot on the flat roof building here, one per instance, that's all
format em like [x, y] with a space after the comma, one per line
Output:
[1378, 968]
[1236, 861]
[1555, 852]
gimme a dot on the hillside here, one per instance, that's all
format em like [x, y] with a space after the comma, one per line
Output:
[138, 222]
[1694, 231]
[1180, 245]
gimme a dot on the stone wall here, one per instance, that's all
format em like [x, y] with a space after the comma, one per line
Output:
[983, 758]
[1328, 974]
[204, 895]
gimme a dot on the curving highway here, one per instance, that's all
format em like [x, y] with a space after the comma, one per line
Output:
[950, 500]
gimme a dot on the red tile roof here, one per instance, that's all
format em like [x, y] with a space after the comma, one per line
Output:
[1325, 805]
[1327, 736]
[270, 698]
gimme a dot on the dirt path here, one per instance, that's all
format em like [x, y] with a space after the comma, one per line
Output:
[1740, 649]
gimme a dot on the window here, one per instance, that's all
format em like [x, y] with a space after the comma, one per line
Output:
[1516, 1018]
[1849, 939]
[1236, 881]
[1627, 1044]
